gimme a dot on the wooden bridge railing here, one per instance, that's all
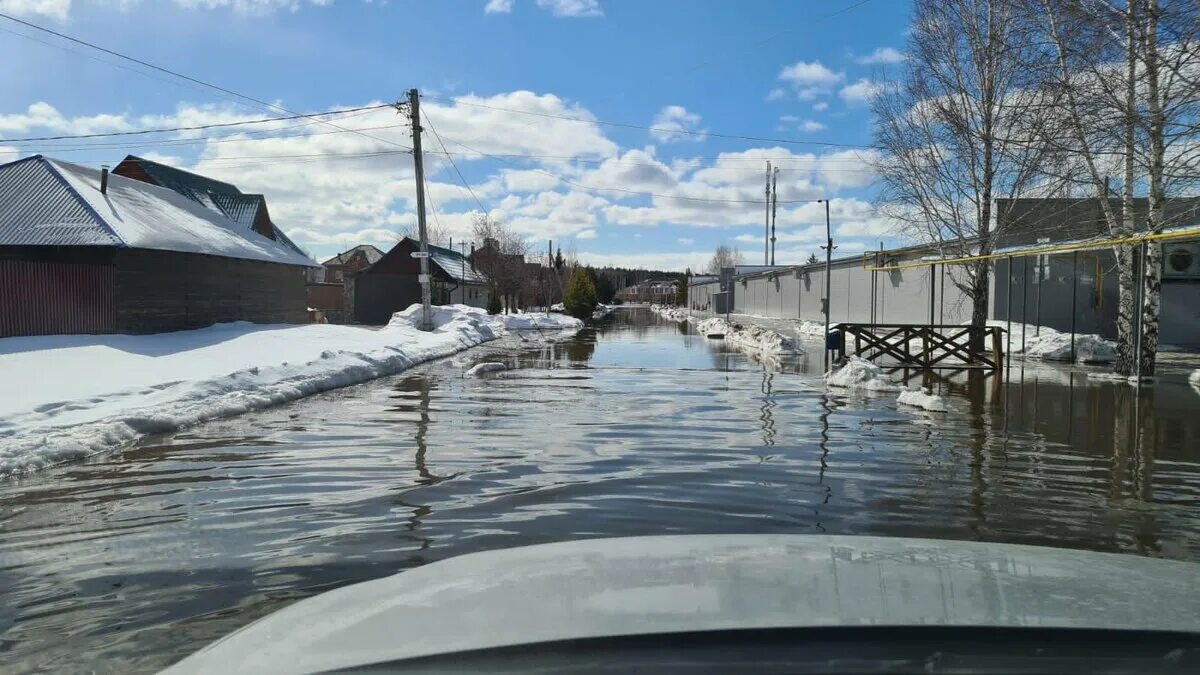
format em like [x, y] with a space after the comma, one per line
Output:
[925, 345]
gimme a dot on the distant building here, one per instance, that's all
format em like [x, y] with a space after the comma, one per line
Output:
[658, 292]
[86, 251]
[326, 284]
[358, 258]
[392, 283]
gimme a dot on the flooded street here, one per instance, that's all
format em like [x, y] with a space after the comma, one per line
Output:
[637, 427]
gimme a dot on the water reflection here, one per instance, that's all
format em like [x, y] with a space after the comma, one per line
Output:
[636, 426]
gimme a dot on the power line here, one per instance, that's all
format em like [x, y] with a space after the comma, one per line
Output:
[173, 73]
[637, 192]
[456, 169]
[198, 127]
[625, 125]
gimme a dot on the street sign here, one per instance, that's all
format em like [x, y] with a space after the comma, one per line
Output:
[423, 278]
[419, 254]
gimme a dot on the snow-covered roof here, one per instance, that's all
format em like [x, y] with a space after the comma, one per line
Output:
[455, 265]
[373, 255]
[224, 198]
[54, 203]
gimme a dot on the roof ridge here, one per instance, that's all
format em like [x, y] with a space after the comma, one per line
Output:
[52, 167]
[143, 161]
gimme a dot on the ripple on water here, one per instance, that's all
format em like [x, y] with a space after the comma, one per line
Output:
[129, 561]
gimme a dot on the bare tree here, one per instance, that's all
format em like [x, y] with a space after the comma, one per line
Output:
[954, 133]
[1128, 74]
[434, 232]
[501, 258]
[724, 256]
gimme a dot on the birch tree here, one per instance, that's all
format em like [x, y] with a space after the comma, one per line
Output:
[948, 132]
[1127, 75]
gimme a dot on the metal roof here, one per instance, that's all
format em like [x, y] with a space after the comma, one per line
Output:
[224, 198]
[45, 202]
[373, 255]
[38, 208]
[455, 265]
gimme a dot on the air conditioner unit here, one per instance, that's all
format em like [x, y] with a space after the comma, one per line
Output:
[1181, 260]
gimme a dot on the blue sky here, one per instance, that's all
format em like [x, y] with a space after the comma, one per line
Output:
[781, 70]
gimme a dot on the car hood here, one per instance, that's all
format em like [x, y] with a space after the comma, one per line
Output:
[645, 585]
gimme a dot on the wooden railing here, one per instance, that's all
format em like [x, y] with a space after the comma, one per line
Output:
[925, 345]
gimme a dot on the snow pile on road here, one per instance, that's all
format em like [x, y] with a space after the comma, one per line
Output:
[672, 313]
[538, 321]
[83, 394]
[750, 337]
[1049, 344]
[812, 328]
[859, 373]
[921, 398]
[480, 369]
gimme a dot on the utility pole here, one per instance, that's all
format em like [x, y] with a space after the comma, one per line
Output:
[828, 266]
[414, 113]
[767, 219]
[774, 203]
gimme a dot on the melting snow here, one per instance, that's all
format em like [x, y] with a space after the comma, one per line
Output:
[750, 337]
[1051, 345]
[672, 313]
[921, 398]
[486, 367]
[859, 373]
[83, 394]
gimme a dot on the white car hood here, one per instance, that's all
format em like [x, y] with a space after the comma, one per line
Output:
[642, 585]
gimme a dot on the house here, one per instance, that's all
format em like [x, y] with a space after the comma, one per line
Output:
[658, 292]
[325, 287]
[358, 258]
[248, 210]
[392, 283]
[86, 251]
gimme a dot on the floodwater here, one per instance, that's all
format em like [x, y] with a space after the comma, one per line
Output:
[130, 561]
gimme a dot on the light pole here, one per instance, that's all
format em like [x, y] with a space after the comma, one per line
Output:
[828, 261]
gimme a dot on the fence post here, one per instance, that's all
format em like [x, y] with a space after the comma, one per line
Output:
[1008, 309]
[1074, 290]
[1024, 300]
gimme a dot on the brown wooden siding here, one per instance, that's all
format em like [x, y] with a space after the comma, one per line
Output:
[162, 291]
[48, 298]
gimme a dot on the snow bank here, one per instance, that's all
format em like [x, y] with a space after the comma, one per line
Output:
[1194, 380]
[1051, 345]
[859, 373]
[485, 367]
[538, 321]
[83, 394]
[921, 398]
[672, 313]
[750, 337]
[602, 311]
[812, 328]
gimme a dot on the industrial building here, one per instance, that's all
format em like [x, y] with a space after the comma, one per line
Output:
[1075, 289]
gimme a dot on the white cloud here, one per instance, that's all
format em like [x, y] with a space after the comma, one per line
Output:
[498, 7]
[675, 261]
[586, 234]
[251, 6]
[42, 115]
[811, 126]
[686, 241]
[820, 105]
[673, 119]
[572, 8]
[810, 80]
[860, 93]
[54, 9]
[881, 56]
[776, 94]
